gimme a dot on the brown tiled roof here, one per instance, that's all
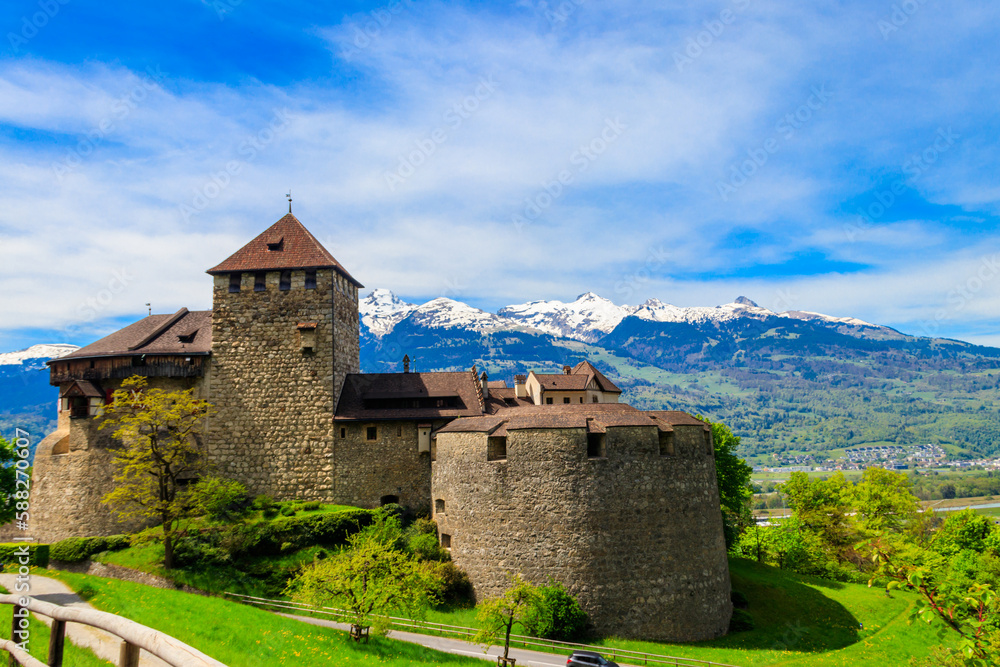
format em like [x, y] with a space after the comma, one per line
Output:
[80, 388]
[156, 334]
[594, 417]
[562, 382]
[400, 386]
[587, 368]
[298, 250]
[496, 384]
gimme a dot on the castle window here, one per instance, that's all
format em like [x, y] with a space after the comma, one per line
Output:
[259, 281]
[399, 431]
[79, 406]
[593, 399]
[371, 433]
[276, 245]
[388, 500]
[666, 443]
[708, 443]
[285, 283]
[548, 401]
[311, 279]
[343, 432]
[234, 281]
[581, 399]
[496, 448]
[595, 445]
[446, 540]
[439, 506]
[565, 399]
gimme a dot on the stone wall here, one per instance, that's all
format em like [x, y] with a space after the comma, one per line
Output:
[73, 471]
[636, 536]
[275, 401]
[390, 465]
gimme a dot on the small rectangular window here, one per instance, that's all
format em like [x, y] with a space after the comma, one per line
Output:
[666, 443]
[371, 433]
[595, 445]
[439, 506]
[311, 279]
[234, 281]
[581, 399]
[259, 281]
[709, 449]
[548, 401]
[285, 283]
[565, 399]
[343, 432]
[399, 431]
[446, 540]
[496, 448]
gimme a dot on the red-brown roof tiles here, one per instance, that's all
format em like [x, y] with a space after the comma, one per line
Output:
[294, 248]
[156, 334]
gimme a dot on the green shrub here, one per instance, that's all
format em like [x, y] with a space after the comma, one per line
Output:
[77, 549]
[10, 558]
[269, 512]
[287, 510]
[741, 621]
[310, 506]
[563, 618]
[263, 502]
[221, 499]
[456, 589]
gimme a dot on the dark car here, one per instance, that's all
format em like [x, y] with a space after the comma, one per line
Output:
[588, 659]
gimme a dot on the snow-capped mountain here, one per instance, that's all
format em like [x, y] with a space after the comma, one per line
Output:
[36, 355]
[382, 310]
[586, 319]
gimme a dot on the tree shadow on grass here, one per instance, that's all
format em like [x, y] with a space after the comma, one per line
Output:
[788, 615]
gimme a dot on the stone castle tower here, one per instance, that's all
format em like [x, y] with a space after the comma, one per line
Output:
[284, 338]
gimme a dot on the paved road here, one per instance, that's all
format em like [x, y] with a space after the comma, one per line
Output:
[527, 658]
[104, 644]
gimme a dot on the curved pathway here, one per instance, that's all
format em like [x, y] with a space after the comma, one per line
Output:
[103, 644]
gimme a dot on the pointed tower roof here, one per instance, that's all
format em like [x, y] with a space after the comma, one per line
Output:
[286, 244]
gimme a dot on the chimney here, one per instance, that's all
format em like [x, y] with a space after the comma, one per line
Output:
[567, 370]
[406, 363]
[486, 386]
[520, 388]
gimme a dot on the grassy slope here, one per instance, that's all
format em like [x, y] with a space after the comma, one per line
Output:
[38, 642]
[239, 635]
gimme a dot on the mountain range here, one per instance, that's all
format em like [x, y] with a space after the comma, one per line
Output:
[790, 384]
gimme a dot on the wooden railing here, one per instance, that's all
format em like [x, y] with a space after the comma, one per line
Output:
[466, 633]
[134, 636]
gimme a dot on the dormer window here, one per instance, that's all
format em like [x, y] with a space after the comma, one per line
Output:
[276, 245]
[187, 337]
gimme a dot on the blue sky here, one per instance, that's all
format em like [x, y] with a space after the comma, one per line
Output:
[838, 157]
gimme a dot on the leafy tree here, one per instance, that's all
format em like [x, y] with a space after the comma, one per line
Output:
[823, 508]
[964, 530]
[561, 616]
[733, 477]
[221, 499]
[884, 501]
[370, 579]
[158, 452]
[521, 604]
[8, 480]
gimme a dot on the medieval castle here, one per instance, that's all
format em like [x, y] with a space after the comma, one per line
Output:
[551, 478]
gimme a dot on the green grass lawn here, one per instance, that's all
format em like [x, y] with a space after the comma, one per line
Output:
[798, 621]
[38, 642]
[239, 635]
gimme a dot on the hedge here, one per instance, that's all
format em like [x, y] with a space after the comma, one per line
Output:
[76, 549]
[267, 538]
[38, 554]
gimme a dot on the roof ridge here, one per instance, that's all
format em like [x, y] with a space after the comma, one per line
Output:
[158, 331]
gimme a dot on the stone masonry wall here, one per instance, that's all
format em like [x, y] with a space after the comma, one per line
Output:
[635, 536]
[367, 470]
[66, 488]
[274, 426]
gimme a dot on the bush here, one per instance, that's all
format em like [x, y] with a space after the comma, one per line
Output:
[456, 589]
[263, 502]
[310, 506]
[221, 499]
[421, 540]
[269, 512]
[10, 555]
[77, 549]
[741, 621]
[287, 510]
[563, 619]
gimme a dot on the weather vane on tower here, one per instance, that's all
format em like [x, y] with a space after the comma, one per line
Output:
[289, 195]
